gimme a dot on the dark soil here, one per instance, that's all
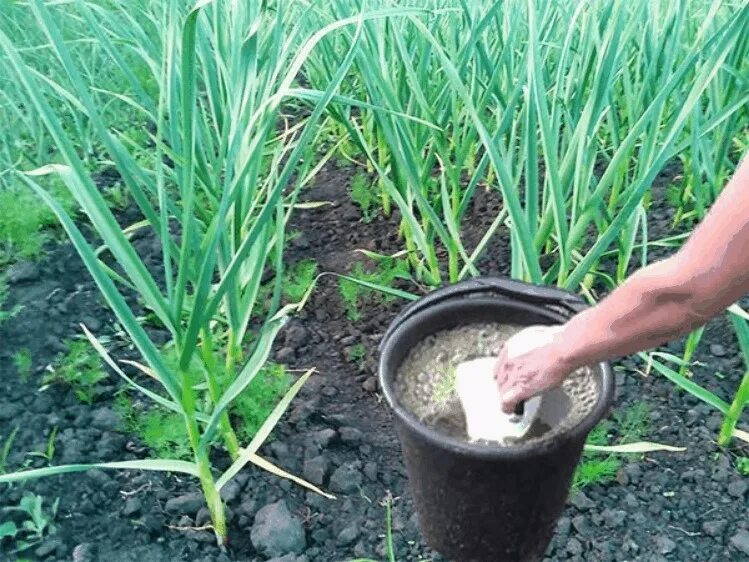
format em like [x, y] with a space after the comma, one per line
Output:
[663, 506]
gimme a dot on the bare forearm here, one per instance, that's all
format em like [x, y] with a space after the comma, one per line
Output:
[670, 298]
[659, 303]
[649, 309]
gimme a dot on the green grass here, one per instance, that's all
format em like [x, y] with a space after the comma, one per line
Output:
[80, 367]
[164, 431]
[25, 225]
[298, 279]
[363, 193]
[355, 294]
[625, 427]
[23, 362]
[255, 404]
[742, 465]
[357, 353]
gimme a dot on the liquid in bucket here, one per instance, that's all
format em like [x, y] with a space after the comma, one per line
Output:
[426, 385]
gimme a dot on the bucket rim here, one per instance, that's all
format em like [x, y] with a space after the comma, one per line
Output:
[415, 317]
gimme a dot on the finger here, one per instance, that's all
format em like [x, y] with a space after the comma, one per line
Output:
[510, 399]
[520, 392]
[500, 372]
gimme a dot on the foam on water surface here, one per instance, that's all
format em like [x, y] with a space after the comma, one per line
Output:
[426, 384]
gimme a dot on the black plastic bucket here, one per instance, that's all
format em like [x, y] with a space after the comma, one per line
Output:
[477, 503]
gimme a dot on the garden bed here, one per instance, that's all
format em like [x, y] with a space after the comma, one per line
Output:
[338, 433]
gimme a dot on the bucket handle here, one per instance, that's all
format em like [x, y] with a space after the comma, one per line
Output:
[550, 297]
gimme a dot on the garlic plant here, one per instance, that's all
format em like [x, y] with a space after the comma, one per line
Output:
[225, 170]
[569, 113]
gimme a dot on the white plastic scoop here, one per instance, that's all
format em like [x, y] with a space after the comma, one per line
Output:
[482, 404]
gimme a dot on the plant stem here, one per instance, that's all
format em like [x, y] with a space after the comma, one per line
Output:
[389, 530]
[453, 265]
[405, 233]
[382, 157]
[211, 494]
[213, 499]
[214, 390]
[734, 412]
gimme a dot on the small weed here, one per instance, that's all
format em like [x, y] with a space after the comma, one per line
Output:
[363, 194]
[387, 503]
[357, 353]
[81, 368]
[36, 525]
[298, 280]
[5, 314]
[293, 235]
[742, 465]
[347, 150]
[152, 320]
[633, 423]
[24, 221]
[596, 471]
[8, 530]
[49, 452]
[165, 434]
[257, 402]
[23, 362]
[674, 195]
[116, 196]
[5, 451]
[629, 426]
[354, 293]
[599, 435]
[445, 387]
[161, 431]
[351, 293]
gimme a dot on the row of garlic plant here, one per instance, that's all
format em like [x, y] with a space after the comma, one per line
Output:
[708, 160]
[442, 101]
[26, 142]
[569, 112]
[23, 139]
[218, 191]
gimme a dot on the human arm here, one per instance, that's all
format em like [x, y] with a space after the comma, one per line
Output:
[657, 304]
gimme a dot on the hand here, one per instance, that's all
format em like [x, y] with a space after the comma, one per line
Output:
[529, 363]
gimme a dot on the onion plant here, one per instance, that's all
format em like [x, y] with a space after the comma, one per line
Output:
[226, 168]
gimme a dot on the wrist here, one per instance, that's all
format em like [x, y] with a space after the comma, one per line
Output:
[564, 351]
